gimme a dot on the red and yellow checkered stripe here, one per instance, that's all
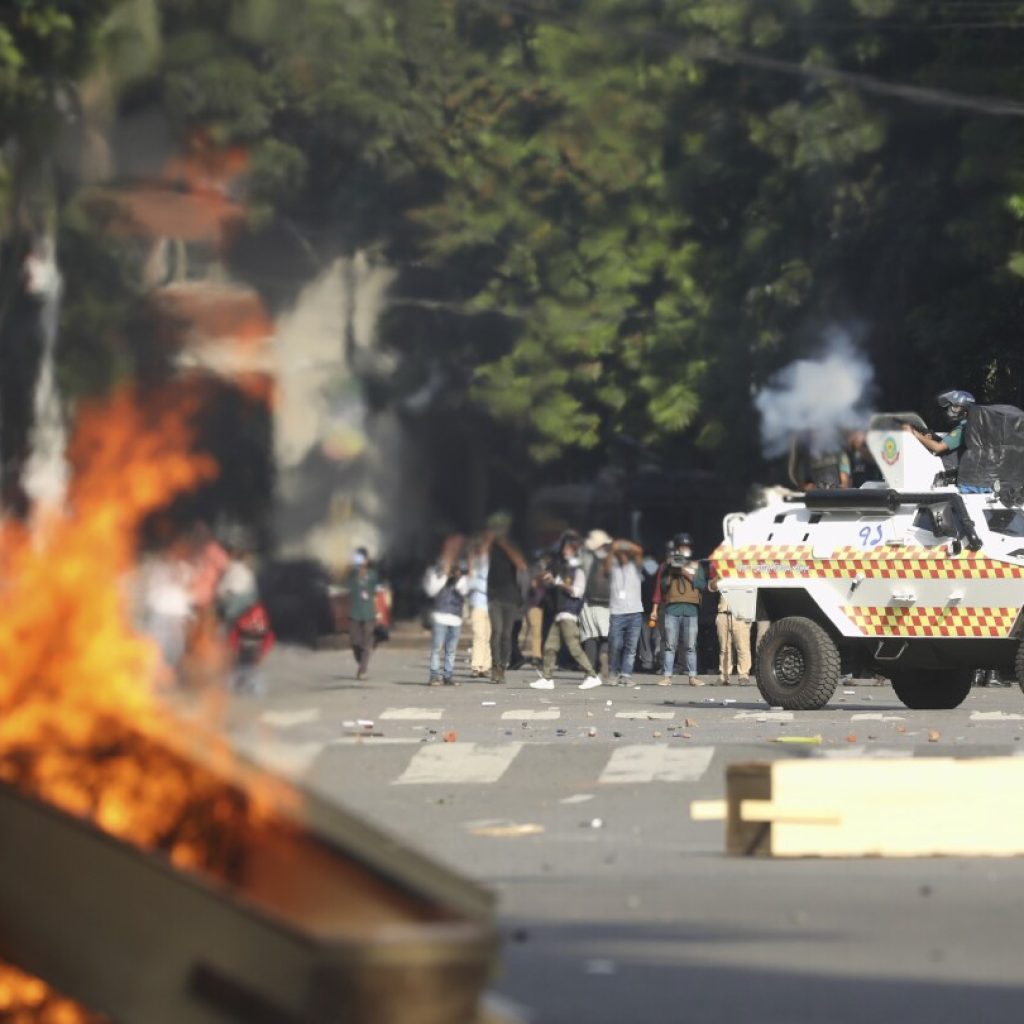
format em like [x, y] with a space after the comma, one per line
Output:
[932, 622]
[797, 561]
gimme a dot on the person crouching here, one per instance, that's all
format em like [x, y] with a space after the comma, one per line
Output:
[448, 584]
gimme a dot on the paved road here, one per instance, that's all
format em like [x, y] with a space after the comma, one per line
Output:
[616, 907]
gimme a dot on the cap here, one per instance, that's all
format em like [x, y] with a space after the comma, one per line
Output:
[597, 539]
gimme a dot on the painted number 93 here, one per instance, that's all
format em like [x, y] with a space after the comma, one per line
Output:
[870, 535]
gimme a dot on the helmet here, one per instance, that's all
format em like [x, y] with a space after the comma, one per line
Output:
[682, 540]
[955, 403]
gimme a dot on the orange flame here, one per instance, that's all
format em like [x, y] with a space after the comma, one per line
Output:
[80, 725]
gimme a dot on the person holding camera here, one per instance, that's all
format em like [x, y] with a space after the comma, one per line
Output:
[679, 586]
[447, 583]
[566, 582]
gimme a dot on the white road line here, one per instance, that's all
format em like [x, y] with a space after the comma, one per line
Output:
[290, 759]
[532, 715]
[284, 719]
[453, 763]
[373, 741]
[876, 716]
[647, 716]
[657, 763]
[995, 716]
[412, 714]
[763, 716]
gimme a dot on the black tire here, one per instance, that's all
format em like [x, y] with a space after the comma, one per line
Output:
[798, 665]
[924, 689]
[1018, 666]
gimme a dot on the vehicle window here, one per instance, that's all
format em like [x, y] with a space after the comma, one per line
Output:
[1009, 521]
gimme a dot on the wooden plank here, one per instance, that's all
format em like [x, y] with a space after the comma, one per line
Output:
[911, 807]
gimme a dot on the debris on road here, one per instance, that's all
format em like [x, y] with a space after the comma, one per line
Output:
[578, 798]
[506, 830]
[798, 739]
[934, 736]
[450, 737]
[594, 823]
[600, 967]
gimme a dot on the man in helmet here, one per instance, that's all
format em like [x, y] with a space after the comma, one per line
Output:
[956, 404]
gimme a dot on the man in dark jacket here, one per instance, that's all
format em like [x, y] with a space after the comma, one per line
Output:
[504, 590]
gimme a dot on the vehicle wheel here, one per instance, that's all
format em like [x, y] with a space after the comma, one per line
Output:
[1018, 666]
[797, 665]
[931, 690]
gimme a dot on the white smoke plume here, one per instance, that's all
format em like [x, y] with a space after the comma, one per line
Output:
[822, 396]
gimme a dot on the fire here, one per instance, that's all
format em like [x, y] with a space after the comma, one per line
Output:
[81, 726]
[27, 1000]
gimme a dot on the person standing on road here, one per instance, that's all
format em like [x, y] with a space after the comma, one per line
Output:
[679, 586]
[536, 601]
[733, 639]
[361, 582]
[504, 592]
[625, 573]
[447, 583]
[479, 617]
[567, 582]
[594, 617]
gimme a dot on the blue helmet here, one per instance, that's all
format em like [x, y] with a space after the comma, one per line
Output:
[955, 403]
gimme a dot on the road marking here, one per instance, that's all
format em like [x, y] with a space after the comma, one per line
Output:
[290, 759]
[657, 763]
[285, 719]
[456, 763]
[533, 715]
[413, 714]
[647, 716]
[763, 716]
[373, 741]
[876, 716]
[995, 716]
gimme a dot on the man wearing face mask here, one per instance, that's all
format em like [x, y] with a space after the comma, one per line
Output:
[362, 583]
[567, 583]
[679, 586]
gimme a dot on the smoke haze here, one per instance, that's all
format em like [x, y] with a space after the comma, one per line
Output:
[824, 395]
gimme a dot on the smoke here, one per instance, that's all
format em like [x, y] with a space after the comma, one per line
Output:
[821, 396]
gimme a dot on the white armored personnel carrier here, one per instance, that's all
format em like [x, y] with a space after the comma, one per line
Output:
[909, 579]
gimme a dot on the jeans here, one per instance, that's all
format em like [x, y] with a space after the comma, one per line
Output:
[503, 618]
[623, 636]
[681, 628]
[443, 638]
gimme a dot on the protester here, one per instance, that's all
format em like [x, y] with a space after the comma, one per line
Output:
[650, 647]
[536, 601]
[361, 582]
[624, 562]
[733, 641]
[566, 582]
[166, 581]
[504, 590]
[594, 616]
[678, 588]
[249, 635]
[479, 617]
[447, 583]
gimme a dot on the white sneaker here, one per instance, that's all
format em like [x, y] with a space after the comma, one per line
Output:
[590, 682]
[542, 684]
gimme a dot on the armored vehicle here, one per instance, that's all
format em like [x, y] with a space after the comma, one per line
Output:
[911, 578]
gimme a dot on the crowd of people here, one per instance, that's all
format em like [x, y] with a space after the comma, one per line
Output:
[198, 600]
[602, 604]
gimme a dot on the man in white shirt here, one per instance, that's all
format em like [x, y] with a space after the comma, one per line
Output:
[448, 584]
[625, 571]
